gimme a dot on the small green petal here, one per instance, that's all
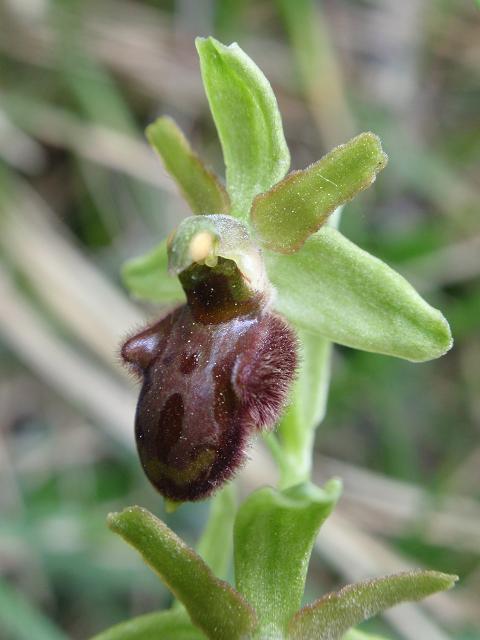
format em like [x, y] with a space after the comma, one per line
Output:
[200, 187]
[335, 289]
[301, 203]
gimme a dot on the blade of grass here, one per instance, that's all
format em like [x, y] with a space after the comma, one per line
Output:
[22, 620]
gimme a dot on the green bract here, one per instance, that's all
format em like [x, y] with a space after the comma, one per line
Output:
[277, 529]
[274, 535]
[212, 604]
[331, 616]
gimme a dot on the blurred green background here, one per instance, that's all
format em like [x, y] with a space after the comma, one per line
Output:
[80, 192]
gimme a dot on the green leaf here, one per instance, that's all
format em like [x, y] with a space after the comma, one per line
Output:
[200, 187]
[333, 288]
[147, 277]
[307, 408]
[300, 204]
[174, 625]
[217, 609]
[248, 122]
[273, 538]
[331, 616]
[22, 620]
[215, 545]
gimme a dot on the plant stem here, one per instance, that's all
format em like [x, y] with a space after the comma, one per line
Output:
[293, 447]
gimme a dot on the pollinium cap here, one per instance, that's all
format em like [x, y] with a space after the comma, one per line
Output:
[203, 239]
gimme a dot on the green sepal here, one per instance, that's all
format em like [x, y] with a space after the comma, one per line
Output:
[174, 625]
[216, 542]
[213, 605]
[333, 288]
[200, 187]
[301, 203]
[333, 615]
[273, 538]
[147, 277]
[248, 122]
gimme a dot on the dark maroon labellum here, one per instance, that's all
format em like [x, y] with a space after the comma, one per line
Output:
[207, 387]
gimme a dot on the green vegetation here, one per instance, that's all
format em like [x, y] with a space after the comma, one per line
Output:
[81, 193]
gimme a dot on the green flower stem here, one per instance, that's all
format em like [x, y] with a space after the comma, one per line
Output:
[293, 450]
[307, 410]
[215, 545]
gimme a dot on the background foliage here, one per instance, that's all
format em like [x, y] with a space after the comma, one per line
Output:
[80, 192]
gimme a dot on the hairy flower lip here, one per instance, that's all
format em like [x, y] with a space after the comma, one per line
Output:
[216, 369]
[207, 388]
